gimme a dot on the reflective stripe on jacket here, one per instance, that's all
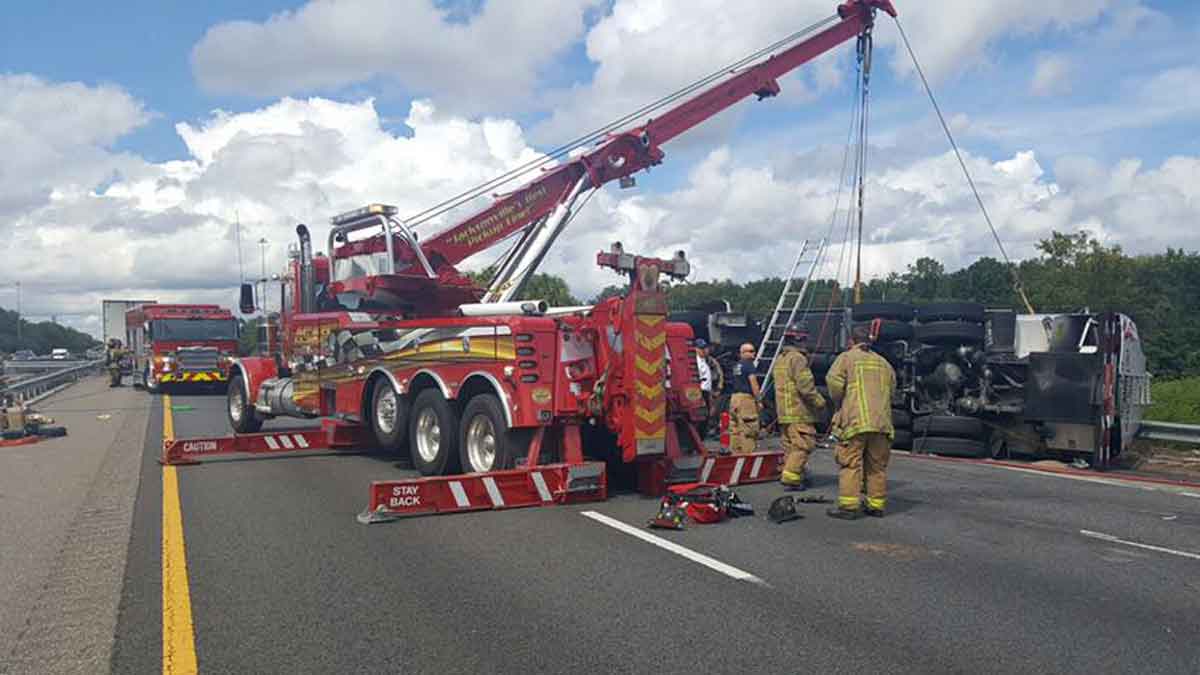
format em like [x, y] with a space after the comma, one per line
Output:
[861, 384]
[796, 395]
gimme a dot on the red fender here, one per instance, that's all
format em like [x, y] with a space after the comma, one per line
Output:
[255, 370]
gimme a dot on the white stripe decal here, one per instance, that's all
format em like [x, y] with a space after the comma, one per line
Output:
[270, 440]
[711, 563]
[287, 442]
[708, 465]
[300, 442]
[493, 491]
[737, 471]
[754, 468]
[540, 484]
[460, 495]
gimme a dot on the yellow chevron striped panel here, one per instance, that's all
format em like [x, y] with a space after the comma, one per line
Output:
[648, 367]
[651, 343]
[652, 391]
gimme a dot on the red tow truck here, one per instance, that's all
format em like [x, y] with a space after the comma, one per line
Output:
[181, 344]
[394, 348]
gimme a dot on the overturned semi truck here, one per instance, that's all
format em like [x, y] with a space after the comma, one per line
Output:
[990, 382]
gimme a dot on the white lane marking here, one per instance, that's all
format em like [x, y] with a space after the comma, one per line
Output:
[1115, 540]
[493, 491]
[711, 563]
[271, 442]
[1190, 494]
[708, 465]
[737, 471]
[754, 468]
[460, 495]
[286, 441]
[299, 438]
[540, 484]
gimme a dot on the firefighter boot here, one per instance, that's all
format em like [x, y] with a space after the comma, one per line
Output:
[844, 514]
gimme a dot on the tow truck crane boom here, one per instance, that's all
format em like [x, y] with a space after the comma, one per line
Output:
[544, 206]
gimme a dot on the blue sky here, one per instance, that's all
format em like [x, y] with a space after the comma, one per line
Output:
[1071, 109]
[144, 47]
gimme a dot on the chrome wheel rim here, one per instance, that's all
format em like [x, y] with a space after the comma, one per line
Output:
[429, 435]
[385, 411]
[481, 443]
[235, 404]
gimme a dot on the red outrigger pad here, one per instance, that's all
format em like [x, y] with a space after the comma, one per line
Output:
[756, 467]
[509, 489]
[331, 436]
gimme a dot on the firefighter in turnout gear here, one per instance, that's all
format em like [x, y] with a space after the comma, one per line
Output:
[113, 360]
[861, 384]
[743, 405]
[797, 403]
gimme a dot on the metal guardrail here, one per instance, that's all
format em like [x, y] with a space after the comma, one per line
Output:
[1169, 431]
[30, 388]
[40, 365]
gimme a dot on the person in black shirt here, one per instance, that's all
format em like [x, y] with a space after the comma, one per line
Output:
[743, 405]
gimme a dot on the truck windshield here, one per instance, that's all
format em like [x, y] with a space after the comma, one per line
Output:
[193, 329]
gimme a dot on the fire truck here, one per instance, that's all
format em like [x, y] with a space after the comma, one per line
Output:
[181, 344]
[393, 347]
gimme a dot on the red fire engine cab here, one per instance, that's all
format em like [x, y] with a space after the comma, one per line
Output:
[388, 341]
[181, 344]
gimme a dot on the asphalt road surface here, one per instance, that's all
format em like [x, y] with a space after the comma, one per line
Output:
[975, 569]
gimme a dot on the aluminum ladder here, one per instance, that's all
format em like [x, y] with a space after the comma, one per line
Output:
[789, 304]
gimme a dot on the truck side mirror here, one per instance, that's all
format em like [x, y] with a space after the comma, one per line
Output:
[246, 303]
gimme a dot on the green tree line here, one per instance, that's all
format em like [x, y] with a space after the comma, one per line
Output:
[40, 337]
[1072, 272]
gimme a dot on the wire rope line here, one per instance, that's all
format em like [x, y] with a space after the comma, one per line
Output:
[557, 153]
[1019, 287]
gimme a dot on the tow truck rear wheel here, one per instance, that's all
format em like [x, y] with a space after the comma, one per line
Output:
[389, 416]
[433, 435]
[242, 416]
[486, 442]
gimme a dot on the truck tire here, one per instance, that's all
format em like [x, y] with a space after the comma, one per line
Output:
[895, 311]
[901, 419]
[948, 426]
[388, 416]
[970, 312]
[486, 443]
[903, 440]
[820, 362]
[242, 416]
[433, 435]
[950, 447]
[950, 333]
[892, 331]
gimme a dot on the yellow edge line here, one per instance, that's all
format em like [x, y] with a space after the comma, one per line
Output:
[178, 636]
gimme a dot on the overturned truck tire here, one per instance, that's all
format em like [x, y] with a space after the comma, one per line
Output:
[951, 311]
[894, 311]
[891, 331]
[950, 447]
[951, 426]
[950, 333]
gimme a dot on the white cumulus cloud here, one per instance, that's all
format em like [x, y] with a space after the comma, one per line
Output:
[493, 56]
